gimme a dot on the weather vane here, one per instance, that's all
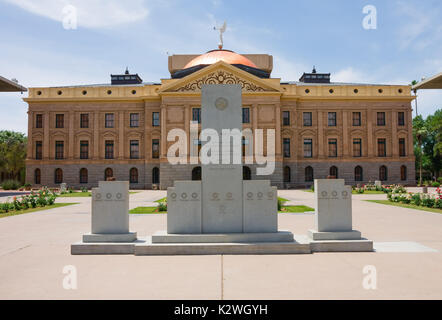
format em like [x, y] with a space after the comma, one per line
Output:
[221, 30]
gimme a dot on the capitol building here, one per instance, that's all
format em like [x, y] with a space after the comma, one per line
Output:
[83, 134]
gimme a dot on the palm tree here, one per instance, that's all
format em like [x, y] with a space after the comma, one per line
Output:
[421, 135]
[413, 83]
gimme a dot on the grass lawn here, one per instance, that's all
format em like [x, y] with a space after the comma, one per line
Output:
[354, 192]
[80, 194]
[146, 210]
[15, 213]
[403, 205]
[296, 209]
[165, 199]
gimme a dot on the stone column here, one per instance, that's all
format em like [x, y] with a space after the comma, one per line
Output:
[370, 146]
[163, 141]
[255, 117]
[30, 155]
[410, 132]
[320, 135]
[278, 130]
[345, 145]
[147, 129]
[46, 127]
[96, 130]
[71, 135]
[187, 128]
[121, 135]
[394, 142]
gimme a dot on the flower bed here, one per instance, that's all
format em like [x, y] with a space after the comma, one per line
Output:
[394, 188]
[418, 199]
[41, 198]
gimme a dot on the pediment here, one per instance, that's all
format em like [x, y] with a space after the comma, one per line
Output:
[220, 73]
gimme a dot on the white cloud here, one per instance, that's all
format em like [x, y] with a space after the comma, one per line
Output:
[428, 101]
[92, 14]
[421, 27]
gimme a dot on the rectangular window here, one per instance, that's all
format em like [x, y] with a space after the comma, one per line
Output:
[401, 118]
[382, 148]
[357, 148]
[307, 119]
[332, 148]
[38, 150]
[39, 121]
[381, 119]
[134, 149]
[286, 144]
[84, 149]
[155, 149]
[332, 119]
[155, 119]
[402, 152]
[109, 120]
[286, 118]
[59, 150]
[245, 115]
[84, 120]
[59, 120]
[356, 119]
[308, 148]
[196, 115]
[134, 120]
[109, 149]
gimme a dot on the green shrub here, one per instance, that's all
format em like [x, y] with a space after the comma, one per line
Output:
[438, 204]
[428, 202]
[5, 207]
[416, 199]
[162, 207]
[280, 204]
[312, 188]
[84, 189]
[439, 179]
[11, 185]
[435, 184]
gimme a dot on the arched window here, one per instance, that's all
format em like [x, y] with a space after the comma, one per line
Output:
[196, 174]
[37, 176]
[403, 173]
[383, 176]
[308, 174]
[359, 174]
[58, 176]
[83, 175]
[246, 173]
[133, 175]
[334, 172]
[108, 173]
[155, 175]
[287, 174]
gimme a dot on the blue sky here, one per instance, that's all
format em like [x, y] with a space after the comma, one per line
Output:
[113, 34]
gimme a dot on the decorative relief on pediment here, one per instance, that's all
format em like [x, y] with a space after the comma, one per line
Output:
[221, 77]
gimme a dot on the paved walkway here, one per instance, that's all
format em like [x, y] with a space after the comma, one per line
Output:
[34, 249]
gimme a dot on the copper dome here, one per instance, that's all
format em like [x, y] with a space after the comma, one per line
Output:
[214, 56]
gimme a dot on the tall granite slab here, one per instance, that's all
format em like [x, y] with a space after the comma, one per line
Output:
[110, 213]
[260, 206]
[333, 219]
[184, 208]
[222, 187]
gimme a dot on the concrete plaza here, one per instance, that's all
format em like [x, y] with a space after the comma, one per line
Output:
[35, 247]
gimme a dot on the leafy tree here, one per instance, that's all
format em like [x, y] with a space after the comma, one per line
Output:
[12, 153]
[427, 135]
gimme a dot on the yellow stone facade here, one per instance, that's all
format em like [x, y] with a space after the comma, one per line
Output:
[174, 100]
